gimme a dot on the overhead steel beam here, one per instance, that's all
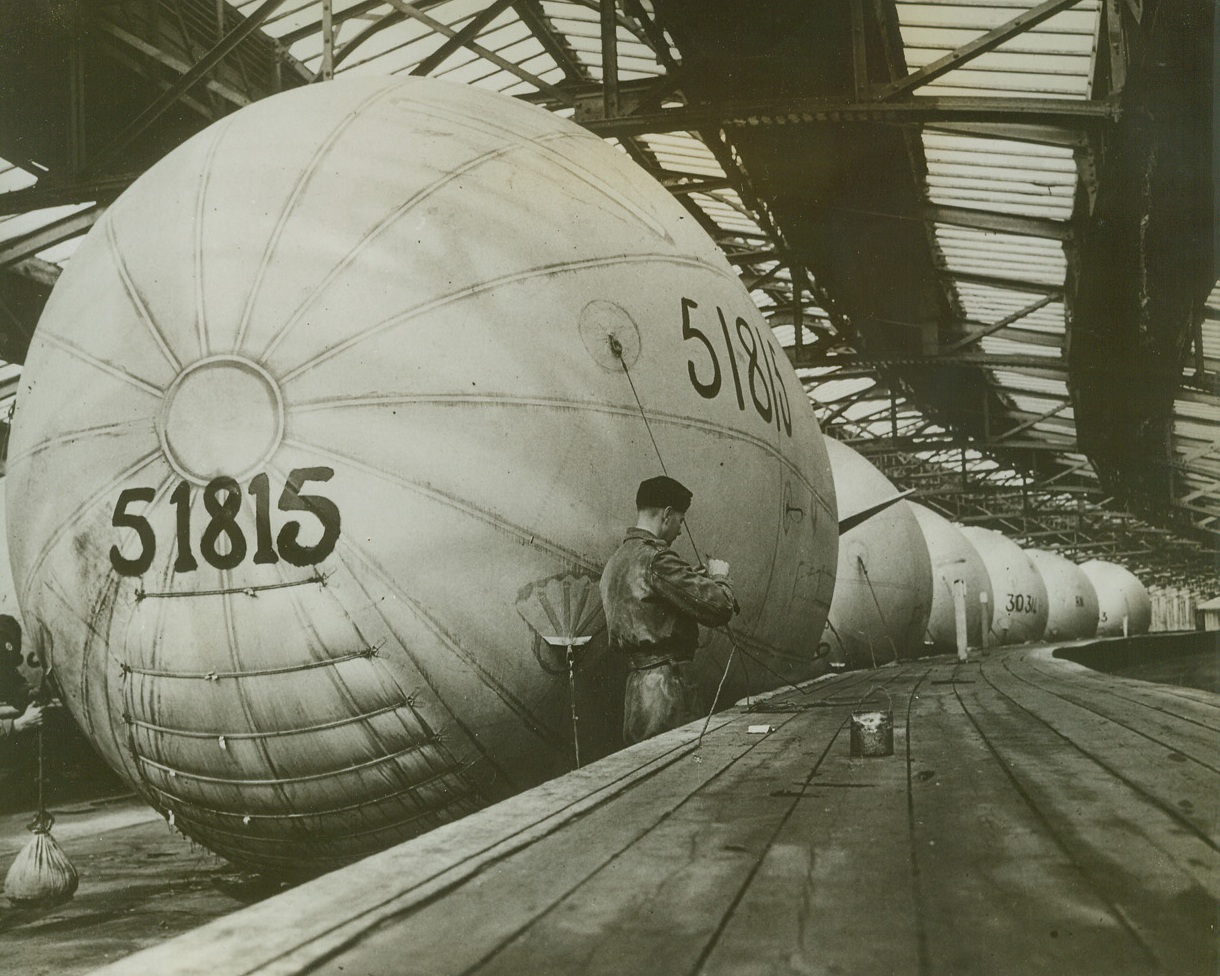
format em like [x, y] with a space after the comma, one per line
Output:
[677, 185]
[1002, 324]
[980, 359]
[330, 25]
[907, 443]
[989, 220]
[198, 72]
[1001, 222]
[1038, 135]
[654, 33]
[169, 61]
[859, 51]
[980, 45]
[1025, 425]
[534, 18]
[327, 70]
[919, 109]
[473, 29]
[609, 32]
[53, 194]
[19, 249]
[414, 12]
[338, 17]
[1010, 284]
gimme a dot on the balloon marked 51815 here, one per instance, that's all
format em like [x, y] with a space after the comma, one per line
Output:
[222, 502]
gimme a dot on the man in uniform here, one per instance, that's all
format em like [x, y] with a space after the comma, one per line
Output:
[654, 601]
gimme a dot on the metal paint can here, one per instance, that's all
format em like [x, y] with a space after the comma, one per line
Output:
[872, 733]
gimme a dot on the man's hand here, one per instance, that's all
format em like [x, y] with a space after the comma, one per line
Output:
[717, 567]
[31, 718]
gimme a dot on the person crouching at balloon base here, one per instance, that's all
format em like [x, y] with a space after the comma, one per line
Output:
[654, 602]
[18, 712]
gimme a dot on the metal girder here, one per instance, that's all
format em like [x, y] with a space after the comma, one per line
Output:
[1038, 135]
[654, 33]
[1116, 45]
[989, 220]
[1025, 425]
[859, 51]
[1002, 324]
[198, 72]
[609, 39]
[918, 109]
[54, 194]
[19, 249]
[978, 359]
[941, 442]
[534, 18]
[413, 11]
[169, 61]
[1004, 223]
[1073, 469]
[682, 184]
[339, 16]
[1010, 284]
[459, 40]
[328, 27]
[980, 45]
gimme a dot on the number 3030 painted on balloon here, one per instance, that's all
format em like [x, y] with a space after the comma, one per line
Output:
[222, 501]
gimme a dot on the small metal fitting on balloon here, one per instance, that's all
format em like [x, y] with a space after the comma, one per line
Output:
[610, 335]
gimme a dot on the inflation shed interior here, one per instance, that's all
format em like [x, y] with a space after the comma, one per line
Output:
[983, 231]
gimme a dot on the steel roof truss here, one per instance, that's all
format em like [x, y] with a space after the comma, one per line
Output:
[196, 74]
[412, 11]
[980, 45]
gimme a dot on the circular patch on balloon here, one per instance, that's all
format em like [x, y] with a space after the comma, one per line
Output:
[206, 404]
[610, 335]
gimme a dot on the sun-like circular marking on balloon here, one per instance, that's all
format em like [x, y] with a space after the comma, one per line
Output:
[610, 335]
[222, 415]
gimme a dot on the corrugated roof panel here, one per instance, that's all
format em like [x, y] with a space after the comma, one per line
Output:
[1198, 411]
[1030, 384]
[14, 177]
[18, 225]
[832, 390]
[1005, 347]
[1193, 430]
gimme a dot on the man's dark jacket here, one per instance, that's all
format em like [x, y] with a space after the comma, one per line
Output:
[654, 600]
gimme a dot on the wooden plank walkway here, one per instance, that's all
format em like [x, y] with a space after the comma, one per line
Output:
[1035, 817]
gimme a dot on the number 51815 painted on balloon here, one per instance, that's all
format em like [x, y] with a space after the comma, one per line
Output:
[222, 501]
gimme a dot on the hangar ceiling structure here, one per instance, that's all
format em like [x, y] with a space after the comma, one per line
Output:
[982, 230]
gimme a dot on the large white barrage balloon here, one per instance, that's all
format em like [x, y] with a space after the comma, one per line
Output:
[327, 432]
[1071, 601]
[883, 587]
[961, 589]
[1124, 606]
[1019, 611]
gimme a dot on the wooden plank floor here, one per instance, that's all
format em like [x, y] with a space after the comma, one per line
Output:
[1035, 817]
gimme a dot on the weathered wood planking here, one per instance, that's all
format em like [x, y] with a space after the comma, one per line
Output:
[1036, 816]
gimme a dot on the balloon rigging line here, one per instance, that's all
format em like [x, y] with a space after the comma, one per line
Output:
[881, 613]
[317, 577]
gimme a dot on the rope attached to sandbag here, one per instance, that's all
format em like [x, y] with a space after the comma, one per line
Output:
[41, 876]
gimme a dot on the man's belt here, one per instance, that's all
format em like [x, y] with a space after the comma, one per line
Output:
[646, 662]
[646, 657]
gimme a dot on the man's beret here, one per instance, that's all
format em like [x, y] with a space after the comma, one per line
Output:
[663, 492]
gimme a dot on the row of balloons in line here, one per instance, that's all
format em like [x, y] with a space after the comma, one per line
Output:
[908, 578]
[307, 502]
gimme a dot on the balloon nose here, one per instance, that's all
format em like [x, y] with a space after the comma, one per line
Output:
[222, 415]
